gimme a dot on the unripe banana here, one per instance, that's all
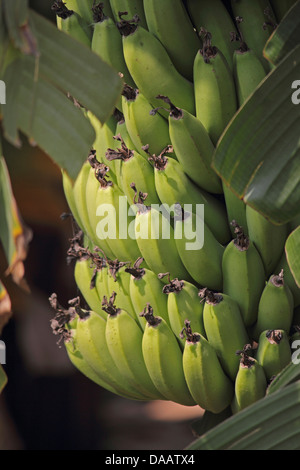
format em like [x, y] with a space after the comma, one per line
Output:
[235, 209]
[155, 239]
[281, 7]
[273, 352]
[131, 7]
[85, 8]
[134, 169]
[183, 304]
[243, 275]
[214, 17]
[145, 126]
[166, 172]
[193, 148]
[254, 25]
[209, 385]
[124, 340]
[250, 382]
[225, 329]
[169, 21]
[289, 278]
[203, 262]
[215, 94]
[71, 23]
[122, 130]
[146, 287]
[269, 239]
[68, 184]
[276, 306]
[163, 359]
[152, 69]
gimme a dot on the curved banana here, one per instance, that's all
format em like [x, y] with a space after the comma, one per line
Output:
[209, 385]
[288, 278]
[254, 24]
[214, 17]
[243, 275]
[169, 21]
[148, 61]
[203, 262]
[85, 9]
[193, 148]
[215, 94]
[122, 131]
[273, 352]
[250, 383]
[124, 340]
[131, 7]
[163, 359]
[84, 275]
[71, 23]
[173, 186]
[184, 304]
[225, 329]
[235, 209]
[269, 239]
[146, 287]
[276, 306]
[68, 185]
[144, 126]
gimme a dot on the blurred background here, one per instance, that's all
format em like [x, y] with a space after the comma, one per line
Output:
[47, 404]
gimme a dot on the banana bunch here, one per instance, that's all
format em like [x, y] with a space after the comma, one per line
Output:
[185, 293]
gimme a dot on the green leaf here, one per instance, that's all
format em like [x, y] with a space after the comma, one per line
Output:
[285, 37]
[271, 423]
[292, 248]
[288, 375]
[3, 379]
[6, 219]
[259, 152]
[75, 69]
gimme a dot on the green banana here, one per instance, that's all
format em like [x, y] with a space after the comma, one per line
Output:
[269, 239]
[122, 130]
[253, 23]
[281, 7]
[273, 352]
[152, 69]
[235, 209]
[203, 262]
[84, 8]
[163, 359]
[225, 329]
[250, 383]
[145, 286]
[144, 126]
[183, 304]
[289, 278]
[214, 17]
[155, 238]
[71, 23]
[209, 385]
[173, 186]
[68, 184]
[276, 306]
[169, 21]
[131, 7]
[124, 340]
[134, 169]
[193, 148]
[215, 94]
[243, 275]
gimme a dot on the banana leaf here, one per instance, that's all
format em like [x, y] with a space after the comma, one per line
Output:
[292, 248]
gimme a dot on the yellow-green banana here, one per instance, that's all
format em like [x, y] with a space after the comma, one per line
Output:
[152, 69]
[215, 94]
[163, 359]
[146, 287]
[243, 275]
[85, 8]
[173, 186]
[281, 7]
[208, 384]
[235, 209]
[124, 340]
[122, 130]
[273, 352]
[183, 304]
[68, 184]
[276, 306]
[131, 7]
[145, 126]
[269, 239]
[253, 22]
[71, 23]
[193, 148]
[250, 383]
[198, 249]
[214, 17]
[225, 329]
[169, 21]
